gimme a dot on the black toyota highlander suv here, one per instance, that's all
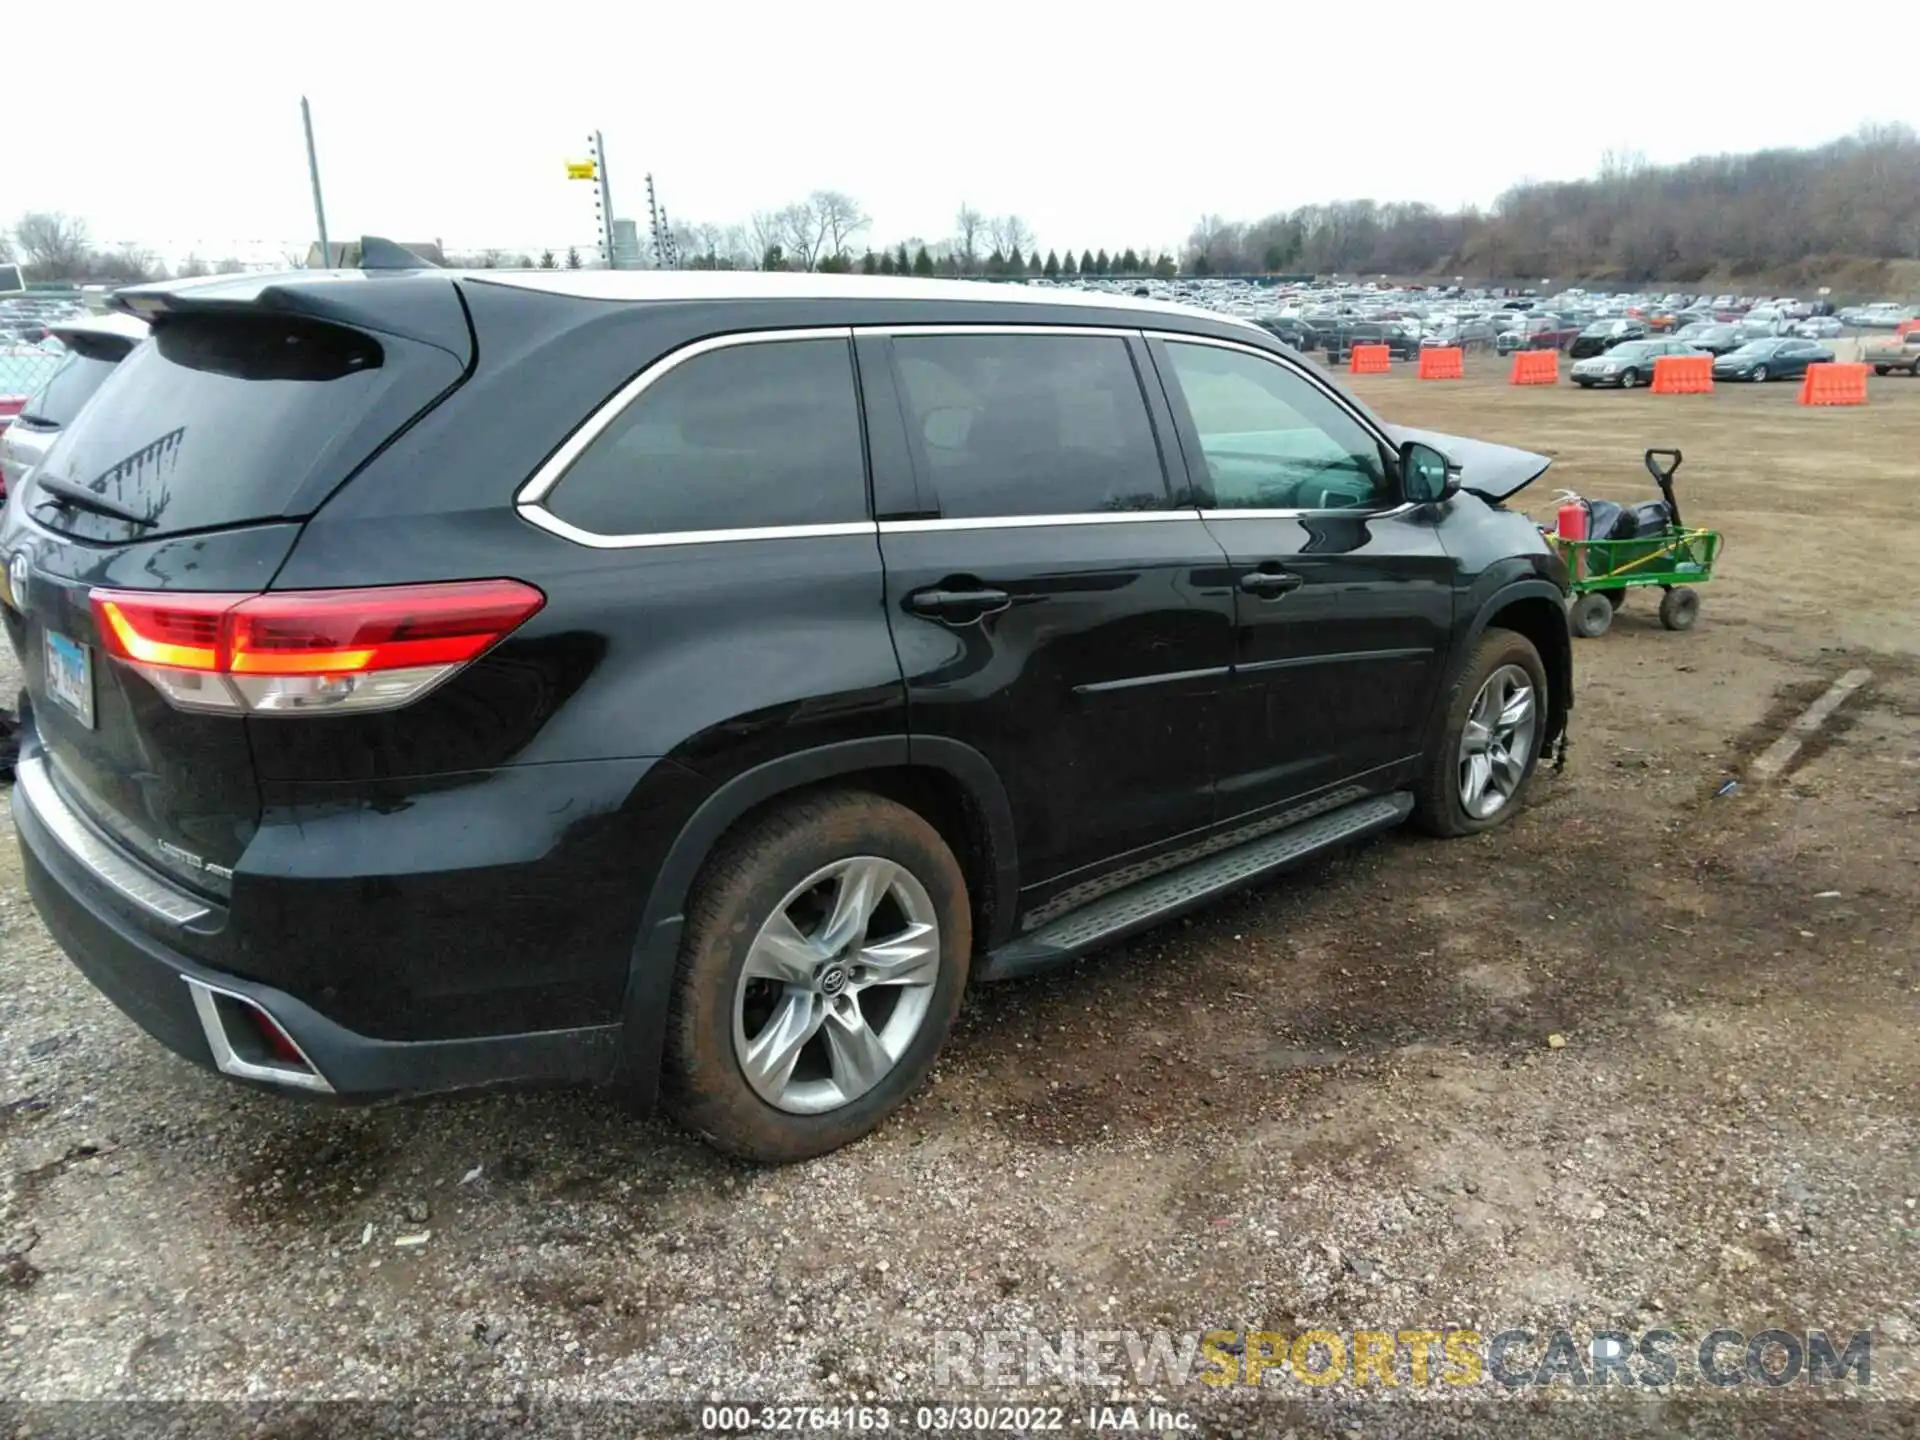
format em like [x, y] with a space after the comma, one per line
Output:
[693, 682]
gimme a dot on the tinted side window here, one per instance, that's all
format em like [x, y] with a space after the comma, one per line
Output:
[1029, 424]
[1272, 440]
[741, 437]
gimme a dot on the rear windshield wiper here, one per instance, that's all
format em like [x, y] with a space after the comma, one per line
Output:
[83, 499]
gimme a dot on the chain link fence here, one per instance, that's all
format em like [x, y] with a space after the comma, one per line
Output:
[28, 354]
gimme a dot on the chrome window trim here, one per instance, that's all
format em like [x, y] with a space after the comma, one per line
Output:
[34, 791]
[921, 330]
[527, 499]
[1022, 522]
[553, 524]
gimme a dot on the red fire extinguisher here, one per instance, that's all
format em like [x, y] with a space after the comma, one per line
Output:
[1572, 526]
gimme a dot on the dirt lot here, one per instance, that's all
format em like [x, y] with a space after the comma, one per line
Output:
[1330, 1103]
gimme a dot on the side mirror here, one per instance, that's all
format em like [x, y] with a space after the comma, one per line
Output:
[1426, 475]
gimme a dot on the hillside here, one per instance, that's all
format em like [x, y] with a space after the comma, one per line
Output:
[1845, 215]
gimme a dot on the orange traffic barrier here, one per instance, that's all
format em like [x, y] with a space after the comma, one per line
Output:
[1536, 367]
[1370, 360]
[1834, 385]
[1446, 362]
[1683, 374]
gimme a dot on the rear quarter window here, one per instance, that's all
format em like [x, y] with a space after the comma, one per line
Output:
[750, 436]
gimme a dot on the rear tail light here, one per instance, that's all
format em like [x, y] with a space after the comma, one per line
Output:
[290, 651]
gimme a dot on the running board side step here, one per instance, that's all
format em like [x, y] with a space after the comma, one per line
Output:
[1148, 902]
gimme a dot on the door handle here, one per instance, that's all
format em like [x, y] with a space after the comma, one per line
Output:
[957, 606]
[1271, 584]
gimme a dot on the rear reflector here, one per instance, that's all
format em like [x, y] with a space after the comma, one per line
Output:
[308, 650]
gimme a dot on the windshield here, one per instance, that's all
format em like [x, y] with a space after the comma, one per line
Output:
[1758, 348]
[1631, 350]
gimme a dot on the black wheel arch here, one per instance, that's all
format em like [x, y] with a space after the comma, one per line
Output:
[925, 772]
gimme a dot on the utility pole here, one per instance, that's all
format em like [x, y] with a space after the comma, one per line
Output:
[313, 169]
[605, 203]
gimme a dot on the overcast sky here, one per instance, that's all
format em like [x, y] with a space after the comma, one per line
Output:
[1103, 125]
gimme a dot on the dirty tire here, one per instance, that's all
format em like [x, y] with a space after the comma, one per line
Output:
[702, 1084]
[1629, 378]
[1436, 794]
[1680, 607]
[1590, 615]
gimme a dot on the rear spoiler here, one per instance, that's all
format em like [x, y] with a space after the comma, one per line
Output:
[398, 293]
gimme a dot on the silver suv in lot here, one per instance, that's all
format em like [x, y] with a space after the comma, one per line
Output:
[94, 345]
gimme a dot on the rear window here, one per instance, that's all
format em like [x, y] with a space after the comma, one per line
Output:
[223, 420]
[72, 385]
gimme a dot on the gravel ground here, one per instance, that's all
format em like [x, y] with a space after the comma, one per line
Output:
[1641, 1059]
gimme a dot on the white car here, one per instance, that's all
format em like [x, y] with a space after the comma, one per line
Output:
[1819, 327]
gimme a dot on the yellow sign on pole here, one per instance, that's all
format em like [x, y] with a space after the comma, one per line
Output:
[582, 170]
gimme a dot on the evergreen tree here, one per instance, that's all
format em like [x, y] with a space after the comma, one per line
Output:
[1052, 268]
[1016, 262]
[869, 264]
[1102, 265]
[1086, 263]
[1033, 263]
[573, 258]
[996, 263]
[886, 263]
[774, 259]
[1165, 268]
[901, 264]
[546, 260]
[1068, 268]
[1130, 262]
[922, 262]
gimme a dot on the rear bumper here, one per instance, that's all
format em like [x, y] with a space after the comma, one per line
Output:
[84, 901]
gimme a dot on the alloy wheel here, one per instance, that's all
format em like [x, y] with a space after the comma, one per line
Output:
[1497, 742]
[836, 985]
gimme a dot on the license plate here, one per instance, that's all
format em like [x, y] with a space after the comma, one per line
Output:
[70, 675]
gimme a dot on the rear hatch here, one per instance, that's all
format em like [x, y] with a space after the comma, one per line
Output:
[191, 471]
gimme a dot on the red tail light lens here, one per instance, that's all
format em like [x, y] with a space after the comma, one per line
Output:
[308, 650]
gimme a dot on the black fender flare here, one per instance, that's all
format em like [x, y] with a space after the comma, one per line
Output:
[651, 970]
[1559, 663]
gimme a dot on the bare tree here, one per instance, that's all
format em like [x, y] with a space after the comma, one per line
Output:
[127, 264]
[229, 266]
[968, 227]
[768, 229]
[1009, 233]
[802, 234]
[193, 267]
[839, 217]
[55, 246]
[6, 246]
